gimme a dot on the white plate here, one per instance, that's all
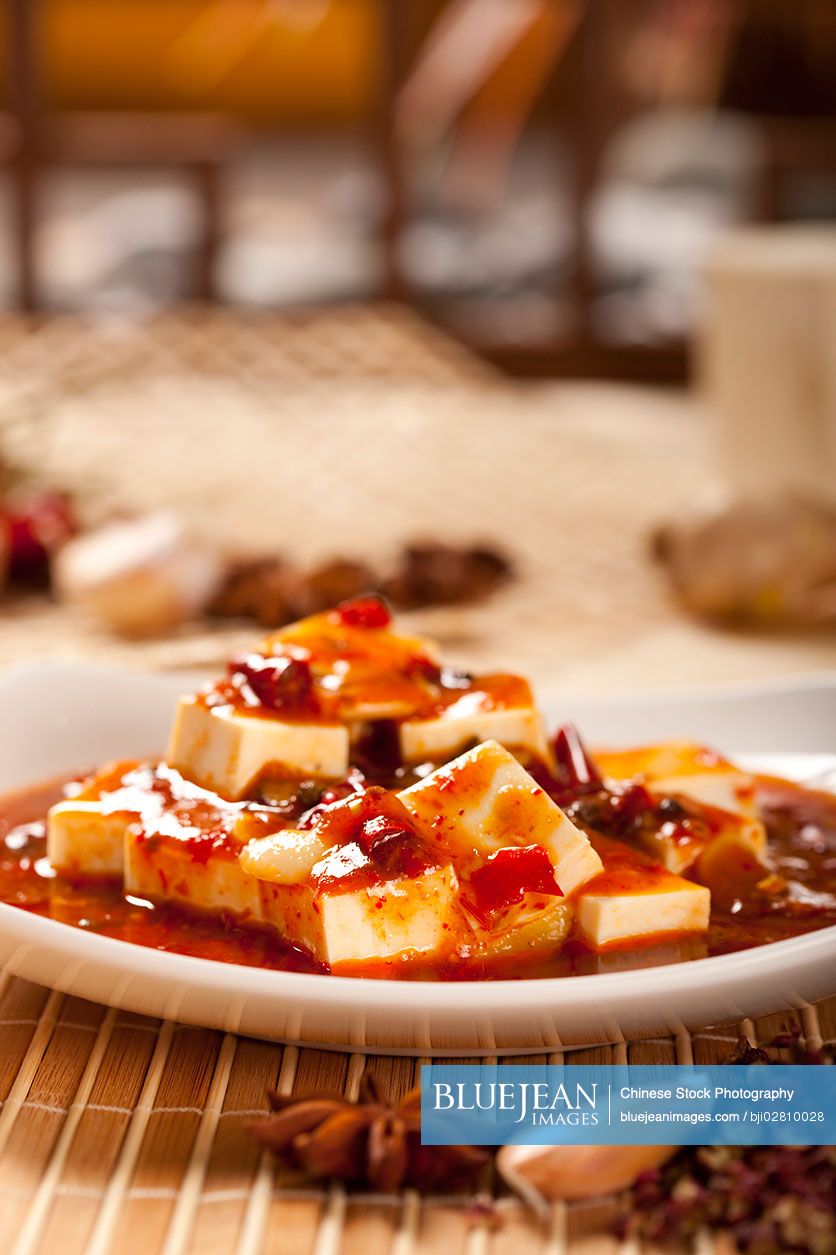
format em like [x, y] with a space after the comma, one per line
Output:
[60, 718]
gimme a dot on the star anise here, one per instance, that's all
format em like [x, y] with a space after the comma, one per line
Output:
[746, 1053]
[790, 1040]
[365, 1143]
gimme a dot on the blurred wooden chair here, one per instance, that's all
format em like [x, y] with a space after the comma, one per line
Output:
[426, 91]
[34, 138]
[595, 103]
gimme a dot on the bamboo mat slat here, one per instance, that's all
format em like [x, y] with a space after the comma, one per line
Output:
[121, 1135]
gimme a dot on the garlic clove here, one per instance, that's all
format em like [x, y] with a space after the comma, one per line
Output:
[540, 1174]
[140, 576]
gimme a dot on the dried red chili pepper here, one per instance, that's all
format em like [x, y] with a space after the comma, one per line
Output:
[365, 612]
[575, 769]
[279, 684]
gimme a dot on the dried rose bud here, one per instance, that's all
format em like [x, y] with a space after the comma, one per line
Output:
[338, 580]
[38, 525]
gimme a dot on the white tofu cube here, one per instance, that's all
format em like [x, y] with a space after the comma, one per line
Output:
[655, 762]
[364, 673]
[170, 840]
[697, 777]
[399, 919]
[729, 790]
[224, 750]
[184, 871]
[485, 801]
[472, 718]
[391, 920]
[85, 834]
[81, 840]
[634, 900]
[729, 797]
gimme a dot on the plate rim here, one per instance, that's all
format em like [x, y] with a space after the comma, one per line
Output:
[305, 984]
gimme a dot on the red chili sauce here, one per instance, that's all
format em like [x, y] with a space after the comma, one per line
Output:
[799, 897]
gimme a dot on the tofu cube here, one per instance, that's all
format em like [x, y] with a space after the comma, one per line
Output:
[81, 840]
[698, 778]
[485, 801]
[398, 919]
[362, 673]
[85, 834]
[167, 838]
[655, 762]
[224, 750]
[363, 885]
[473, 717]
[728, 790]
[728, 797]
[190, 872]
[634, 900]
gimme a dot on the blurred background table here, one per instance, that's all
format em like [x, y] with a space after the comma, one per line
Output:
[347, 432]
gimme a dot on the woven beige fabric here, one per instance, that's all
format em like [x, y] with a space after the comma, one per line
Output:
[350, 432]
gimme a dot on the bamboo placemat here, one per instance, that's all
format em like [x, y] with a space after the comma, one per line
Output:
[338, 433]
[123, 1134]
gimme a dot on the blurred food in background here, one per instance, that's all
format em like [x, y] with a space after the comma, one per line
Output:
[763, 564]
[273, 591]
[140, 576]
[148, 574]
[33, 527]
[544, 178]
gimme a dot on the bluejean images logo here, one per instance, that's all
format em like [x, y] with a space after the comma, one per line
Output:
[533, 1102]
[583, 1105]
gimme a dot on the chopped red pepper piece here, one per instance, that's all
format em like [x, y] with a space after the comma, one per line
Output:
[509, 874]
[365, 612]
